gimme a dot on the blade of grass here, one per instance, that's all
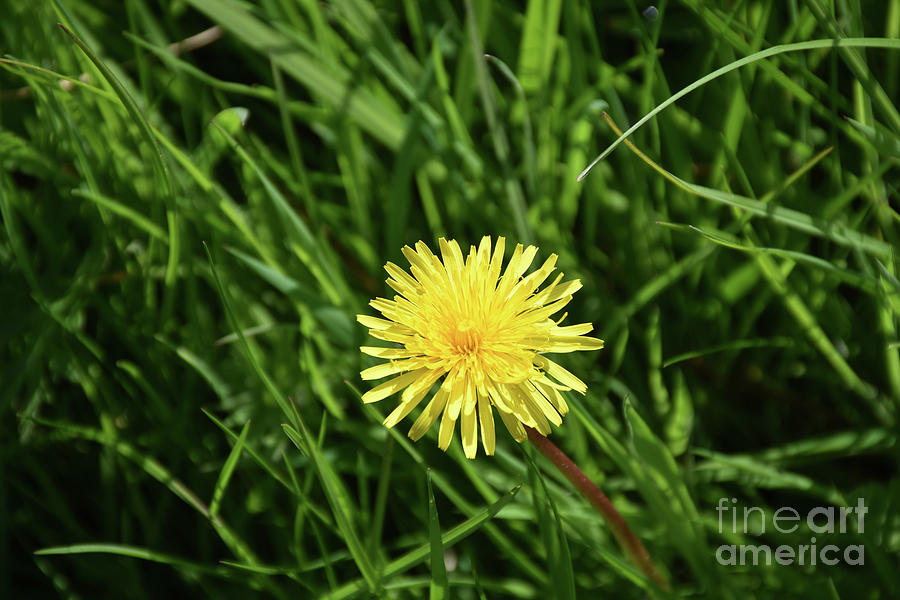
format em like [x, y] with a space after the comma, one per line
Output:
[439, 587]
[757, 56]
[138, 552]
[857, 65]
[513, 189]
[245, 345]
[157, 471]
[559, 558]
[329, 81]
[249, 450]
[417, 556]
[341, 507]
[835, 232]
[126, 212]
[730, 346]
[304, 244]
[157, 158]
[862, 281]
[227, 470]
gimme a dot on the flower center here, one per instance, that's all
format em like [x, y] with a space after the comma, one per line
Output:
[466, 338]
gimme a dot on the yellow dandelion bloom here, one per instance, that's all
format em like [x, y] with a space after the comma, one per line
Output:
[482, 332]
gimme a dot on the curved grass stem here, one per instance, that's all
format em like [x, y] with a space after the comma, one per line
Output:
[629, 542]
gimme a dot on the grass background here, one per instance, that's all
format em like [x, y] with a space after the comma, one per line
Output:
[750, 308]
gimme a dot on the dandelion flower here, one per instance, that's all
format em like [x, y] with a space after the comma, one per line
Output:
[483, 333]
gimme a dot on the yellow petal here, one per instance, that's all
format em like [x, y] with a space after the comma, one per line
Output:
[509, 279]
[537, 415]
[448, 424]
[382, 391]
[520, 266]
[572, 343]
[421, 386]
[469, 432]
[390, 336]
[496, 261]
[451, 254]
[560, 374]
[407, 282]
[580, 329]
[486, 418]
[513, 425]
[561, 291]
[429, 415]
[388, 368]
[404, 408]
[469, 397]
[543, 404]
[527, 285]
[379, 352]
[455, 384]
[520, 406]
[550, 391]
[379, 324]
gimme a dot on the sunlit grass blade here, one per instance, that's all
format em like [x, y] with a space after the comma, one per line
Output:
[440, 587]
[227, 470]
[856, 279]
[731, 346]
[137, 552]
[762, 54]
[792, 218]
[562, 575]
[745, 468]
[304, 244]
[251, 355]
[157, 471]
[885, 142]
[417, 556]
[327, 80]
[234, 437]
[341, 507]
[158, 160]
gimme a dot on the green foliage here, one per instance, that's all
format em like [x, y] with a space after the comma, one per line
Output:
[188, 232]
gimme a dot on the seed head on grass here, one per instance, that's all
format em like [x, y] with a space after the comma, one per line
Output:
[484, 333]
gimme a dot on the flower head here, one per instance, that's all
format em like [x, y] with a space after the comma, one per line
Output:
[484, 333]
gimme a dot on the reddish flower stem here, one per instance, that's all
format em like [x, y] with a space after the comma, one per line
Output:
[629, 542]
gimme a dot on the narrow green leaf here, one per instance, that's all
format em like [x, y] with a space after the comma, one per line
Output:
[555, 543]
[762, 54]
[729, 346]
[251, 355]
[415, 557]
[886, 142]
[157, 471]
[341, 507]
[751, 471]
[125, 212]
[157, 157]
[329, 81]
[250, 451]
[227, 470]
[662, 485]
[302, 241]
[134, 552]
[440, 587]
[861, 280]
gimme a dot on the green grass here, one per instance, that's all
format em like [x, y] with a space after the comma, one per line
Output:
[187, 237]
